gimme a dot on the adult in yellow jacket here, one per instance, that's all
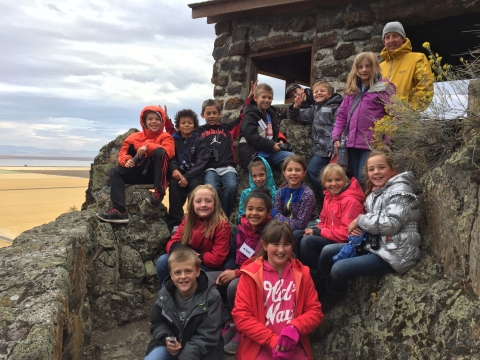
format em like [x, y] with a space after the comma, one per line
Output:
[409, 71]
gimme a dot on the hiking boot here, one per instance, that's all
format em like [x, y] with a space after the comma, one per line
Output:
[154, 198]
[228, 332]
[231, 347]
[114, 216]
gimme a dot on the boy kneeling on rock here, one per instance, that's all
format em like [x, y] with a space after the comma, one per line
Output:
[143, 159]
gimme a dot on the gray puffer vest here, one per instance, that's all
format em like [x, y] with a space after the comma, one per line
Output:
[393, 212]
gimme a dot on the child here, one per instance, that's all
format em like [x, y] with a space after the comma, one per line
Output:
[186, 168]
[205, 229]
[364, 103]
[247, 241]
[259, 175]
[187, 308]
[295, 202]
[260, 130]
[322, 117]
[343, 202]
[220, 170]
[276, 305]
[143, 159]
[391, 221]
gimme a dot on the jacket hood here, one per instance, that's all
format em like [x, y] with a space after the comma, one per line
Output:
[335, 99]
[397, 53]
[402, 182]
[156, 109]
[269, 182]
[351, 190]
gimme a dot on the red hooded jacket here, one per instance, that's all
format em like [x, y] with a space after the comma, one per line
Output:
[249, 301]
[339, 211]
[151, 139]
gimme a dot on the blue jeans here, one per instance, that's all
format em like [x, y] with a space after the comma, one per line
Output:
[160, 353]
[336, 275]
[314, 169]
[310, 248]
[356, 162]
[226, 186]
[163, 272]
[277, 158]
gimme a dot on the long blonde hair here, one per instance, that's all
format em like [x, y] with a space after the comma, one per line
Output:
[218, 216]
[387, 155]
[352, 86]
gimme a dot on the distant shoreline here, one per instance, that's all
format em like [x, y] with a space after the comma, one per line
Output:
[44, 157]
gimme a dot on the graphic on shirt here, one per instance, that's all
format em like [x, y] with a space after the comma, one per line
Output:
[182, 315]
[276, 294]
[215, 141]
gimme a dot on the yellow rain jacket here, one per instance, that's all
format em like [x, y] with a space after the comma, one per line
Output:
[411, 74]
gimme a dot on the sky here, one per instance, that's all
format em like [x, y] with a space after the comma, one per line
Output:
[75, 74]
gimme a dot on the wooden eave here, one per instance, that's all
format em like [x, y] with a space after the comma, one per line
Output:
[224, 10]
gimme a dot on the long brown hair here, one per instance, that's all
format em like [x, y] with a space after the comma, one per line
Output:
[218, 216]
[273, 232]
[352, 87]
[387, 154]
[299, 159]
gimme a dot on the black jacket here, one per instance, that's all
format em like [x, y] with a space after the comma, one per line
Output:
[193, 151]
[251, 141]
[200, 334]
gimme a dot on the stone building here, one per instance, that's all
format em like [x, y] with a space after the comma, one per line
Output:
[303, 40]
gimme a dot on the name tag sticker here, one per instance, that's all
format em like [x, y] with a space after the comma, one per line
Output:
[166, 316]
[325, 109]
[247, 250]
[262, 124]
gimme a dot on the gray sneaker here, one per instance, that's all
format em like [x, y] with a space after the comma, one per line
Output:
[114, 216]
[231, 347]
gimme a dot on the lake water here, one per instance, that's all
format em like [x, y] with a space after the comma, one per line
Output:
[44, 162]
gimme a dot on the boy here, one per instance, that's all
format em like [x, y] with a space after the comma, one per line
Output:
[143, 159]
[220, 170]
[185, 321]
[321, 115]
[260, 131]
[187, 167]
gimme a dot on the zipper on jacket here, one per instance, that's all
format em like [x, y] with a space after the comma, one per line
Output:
[188, 317]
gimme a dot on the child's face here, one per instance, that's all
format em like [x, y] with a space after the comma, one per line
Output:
[186, 126]
[256, 212]
[364, 71]
[264, 100]
[334, 183]
[153, 122]
[203, 203]
[184, 276]
[259, 175]
[320, 93]
[294, 174]
[278, 254]
[211, 115]
[379, 172]
[294, 93]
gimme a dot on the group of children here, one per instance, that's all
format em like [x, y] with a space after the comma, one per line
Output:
[260, 292]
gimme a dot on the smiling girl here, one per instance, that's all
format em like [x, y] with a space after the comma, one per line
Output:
[205, 229]
[276, 305]
[364, 103]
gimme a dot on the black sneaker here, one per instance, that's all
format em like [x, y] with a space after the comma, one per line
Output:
[154, 198]
[114, 216]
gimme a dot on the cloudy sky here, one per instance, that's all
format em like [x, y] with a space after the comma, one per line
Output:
[75, 74]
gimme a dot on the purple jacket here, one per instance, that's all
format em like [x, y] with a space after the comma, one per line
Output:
[370, 109]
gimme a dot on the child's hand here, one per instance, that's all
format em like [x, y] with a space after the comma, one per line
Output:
[182, 182]
[353, 229]
[288, 339]
[253, 86]
[276, 148]
[308, 232]
[129, 163]
[297, 102]
[336, 145]
[176, 174]
[141, 152]
[173, 348]
[165, 109]
[225, 277]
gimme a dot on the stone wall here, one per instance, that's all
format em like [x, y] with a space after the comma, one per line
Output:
[336, 33]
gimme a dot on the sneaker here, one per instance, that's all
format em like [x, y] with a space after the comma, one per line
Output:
[228, 332]
[154, 198]
[114, 216]
[231, 347]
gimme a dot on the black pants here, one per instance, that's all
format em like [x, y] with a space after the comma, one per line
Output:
[177, 196]
[119, 176]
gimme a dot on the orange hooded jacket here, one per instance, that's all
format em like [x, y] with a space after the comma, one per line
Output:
[151, 139]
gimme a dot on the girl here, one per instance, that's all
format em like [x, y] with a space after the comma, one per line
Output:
[364, 103]
[205, 229]
[259, 175]
[391, 221]
[295, 202]
[276, 305]
[343, 202]
[247, 242]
